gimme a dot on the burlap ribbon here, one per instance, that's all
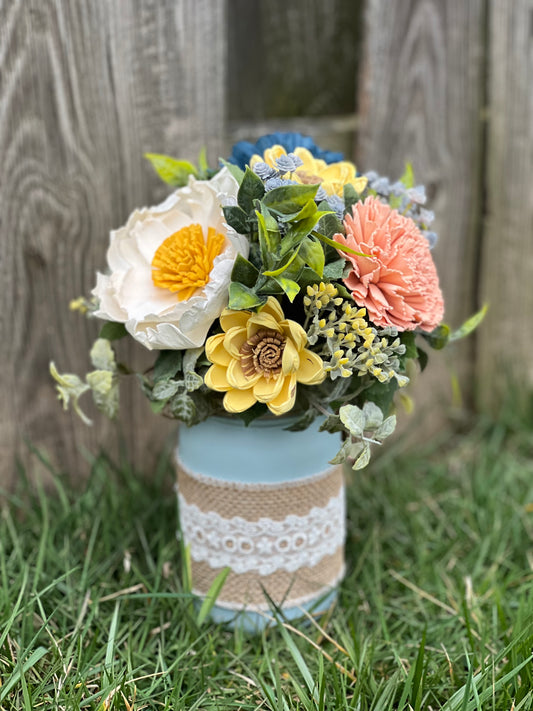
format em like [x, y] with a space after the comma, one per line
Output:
[311, 509]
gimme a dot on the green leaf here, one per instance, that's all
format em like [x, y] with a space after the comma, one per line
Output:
[236, 218]
[334, 270]
[408, 340]
[330, 224]
[211, 596]
[244, 272]
[350, 197]
[422, 358]
[285, 266]
[408, 177]
[290, 287]
[269, 236]
[339, 247]
[303, 422]
[171, 171]
[252, 413]
[167, 365]
[112, 331]
[241, 297]
[308, 277]
[312, 253]
[203, 164]
[290, 199]
[331, 424]
[237, 173]
[252, 188]
[439, 337]
[157, 406]
[470, 324]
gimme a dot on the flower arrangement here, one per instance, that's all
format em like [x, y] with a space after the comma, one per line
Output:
[281, 283]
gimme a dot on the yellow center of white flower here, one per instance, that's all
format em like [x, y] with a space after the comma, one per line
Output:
[183, 262]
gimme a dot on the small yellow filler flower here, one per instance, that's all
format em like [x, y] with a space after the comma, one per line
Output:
[260, 357]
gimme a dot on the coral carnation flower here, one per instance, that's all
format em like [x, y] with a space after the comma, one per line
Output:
[398, 283]
[260, 357]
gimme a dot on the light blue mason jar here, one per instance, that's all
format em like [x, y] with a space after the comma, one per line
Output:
[264, 502]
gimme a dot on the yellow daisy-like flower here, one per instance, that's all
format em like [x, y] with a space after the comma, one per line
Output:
[332, 176]
[260, 357]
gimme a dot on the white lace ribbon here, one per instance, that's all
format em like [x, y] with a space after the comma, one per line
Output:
[264, 546]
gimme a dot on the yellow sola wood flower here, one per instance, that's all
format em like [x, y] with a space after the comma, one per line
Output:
[260, 357]
[331, 176]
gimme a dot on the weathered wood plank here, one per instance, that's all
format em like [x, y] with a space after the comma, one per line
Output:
[86, 89]
[506, 340]
[421, 95]
[294, 59]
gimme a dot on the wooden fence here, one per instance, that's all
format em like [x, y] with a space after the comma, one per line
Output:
[87, 88]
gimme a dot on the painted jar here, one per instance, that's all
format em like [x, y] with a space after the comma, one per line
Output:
[264, 502]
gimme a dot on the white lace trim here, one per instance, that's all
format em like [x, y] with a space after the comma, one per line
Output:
[264, 546]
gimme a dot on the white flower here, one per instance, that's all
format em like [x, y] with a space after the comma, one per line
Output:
[185, 247]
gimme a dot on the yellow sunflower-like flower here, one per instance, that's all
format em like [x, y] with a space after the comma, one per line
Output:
[331, 176]
[260, 357]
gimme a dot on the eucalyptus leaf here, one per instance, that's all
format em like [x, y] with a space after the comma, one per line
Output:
[172, 171]
[386, 428]
[363, 459]
[165, 389]
[373, 416]
[353, 419]
[104, 388]
[102, 355]
[343, 453]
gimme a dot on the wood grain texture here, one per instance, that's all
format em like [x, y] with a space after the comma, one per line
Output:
[506, 340]
[294, 60]
[86, 88]
[421, 96]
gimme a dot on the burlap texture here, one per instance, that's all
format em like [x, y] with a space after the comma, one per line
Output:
[282, 587]
[255, 501]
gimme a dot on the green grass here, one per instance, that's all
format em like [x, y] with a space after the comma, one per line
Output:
[436, 611]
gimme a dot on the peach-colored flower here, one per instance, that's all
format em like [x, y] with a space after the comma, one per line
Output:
[398, 284]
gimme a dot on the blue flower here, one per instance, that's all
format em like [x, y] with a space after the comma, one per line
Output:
[244, 150]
